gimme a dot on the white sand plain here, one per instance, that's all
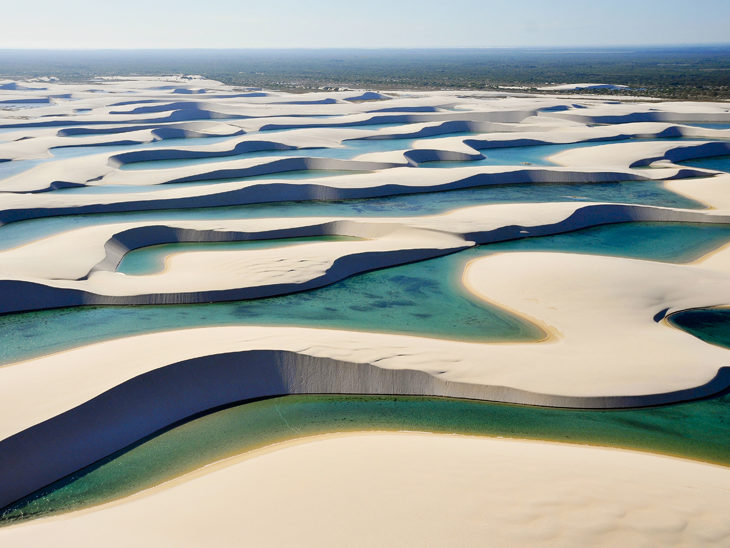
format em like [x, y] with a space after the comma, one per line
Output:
[431, 490]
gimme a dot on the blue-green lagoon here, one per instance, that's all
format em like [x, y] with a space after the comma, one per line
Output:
[697, 430]
[403, 205]
[718, 163]
[712, 325]
[424, 298]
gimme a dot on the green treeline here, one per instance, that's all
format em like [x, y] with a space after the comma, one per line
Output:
[696, 73]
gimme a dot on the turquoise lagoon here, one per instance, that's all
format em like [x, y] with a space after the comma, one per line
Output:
[712, 325]
[709, 125]
[718, 163]
[638, 192]
[424, 298]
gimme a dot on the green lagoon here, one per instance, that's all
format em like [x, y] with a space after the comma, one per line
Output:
[697, 430]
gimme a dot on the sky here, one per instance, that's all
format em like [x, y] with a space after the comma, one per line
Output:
[141, 24]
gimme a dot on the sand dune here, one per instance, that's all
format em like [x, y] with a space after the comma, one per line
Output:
[149, 144]
[479, 491]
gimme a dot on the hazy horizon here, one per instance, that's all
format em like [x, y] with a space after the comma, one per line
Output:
[622, 48]
[379, 24]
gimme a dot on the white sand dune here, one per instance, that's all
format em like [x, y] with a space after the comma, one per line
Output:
[606, 342]
[628, 154]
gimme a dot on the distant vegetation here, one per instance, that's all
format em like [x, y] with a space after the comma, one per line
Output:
[695, 73]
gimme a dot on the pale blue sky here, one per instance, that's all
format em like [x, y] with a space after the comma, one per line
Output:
[360, 23]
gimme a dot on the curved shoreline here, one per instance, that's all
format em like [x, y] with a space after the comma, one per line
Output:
[396, 241]
[149, 402]
[272, 442]
[552, 334]
[372, 465]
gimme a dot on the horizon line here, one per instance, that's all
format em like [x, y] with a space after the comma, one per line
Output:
[384, 48]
